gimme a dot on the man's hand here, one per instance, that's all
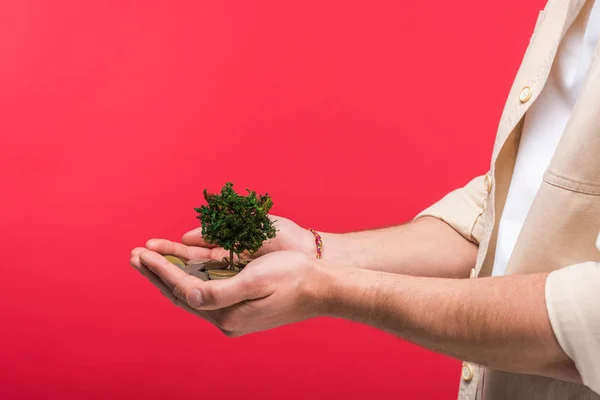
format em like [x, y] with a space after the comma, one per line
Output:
[290, 236]
[277, 289]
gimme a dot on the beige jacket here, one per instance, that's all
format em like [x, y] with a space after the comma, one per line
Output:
[561, 229]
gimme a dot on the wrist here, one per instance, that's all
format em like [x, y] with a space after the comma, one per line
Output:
[344, 292]
[328, 241]
[308, 243]
[324, 282]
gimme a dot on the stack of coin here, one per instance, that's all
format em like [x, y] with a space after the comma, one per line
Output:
[204, 268]
[200, 262]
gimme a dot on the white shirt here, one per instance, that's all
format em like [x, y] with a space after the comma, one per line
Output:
[544, 124]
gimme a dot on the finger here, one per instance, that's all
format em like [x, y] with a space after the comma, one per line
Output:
[135, 262]
[194, 238]
[168, 293]
[163, 246]
[137, 251]
[155, 280]
[169, 273]
[220, 294]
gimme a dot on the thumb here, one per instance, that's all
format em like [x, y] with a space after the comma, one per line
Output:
[213, 295]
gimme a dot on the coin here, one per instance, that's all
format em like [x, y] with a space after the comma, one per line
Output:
[215, 264]
[242, 263]
[198, 274]
[198, 261]
[175, 260]
[216, 274]
[196, 270]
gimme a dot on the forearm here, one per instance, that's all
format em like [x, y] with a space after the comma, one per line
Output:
[500, 323]
[425, 247]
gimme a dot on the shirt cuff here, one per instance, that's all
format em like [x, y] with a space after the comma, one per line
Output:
[572, 296]
[462, 209]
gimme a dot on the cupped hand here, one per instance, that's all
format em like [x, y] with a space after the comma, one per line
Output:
[276, 289]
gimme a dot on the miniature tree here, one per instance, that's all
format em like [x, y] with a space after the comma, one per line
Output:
[236, 223]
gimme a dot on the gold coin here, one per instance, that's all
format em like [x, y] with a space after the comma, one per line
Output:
[216, 274]
[176, 261]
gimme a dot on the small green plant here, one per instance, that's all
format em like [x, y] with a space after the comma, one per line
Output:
[236, 223]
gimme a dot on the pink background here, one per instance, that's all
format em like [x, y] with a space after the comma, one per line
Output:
[114, 115]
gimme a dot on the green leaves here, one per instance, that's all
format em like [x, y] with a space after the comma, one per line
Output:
[236, 223]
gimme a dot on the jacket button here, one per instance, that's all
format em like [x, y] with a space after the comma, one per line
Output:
[487, 183]
[525, 94]
[467, 372]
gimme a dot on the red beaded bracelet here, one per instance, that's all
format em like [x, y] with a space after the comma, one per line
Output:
[318, 241]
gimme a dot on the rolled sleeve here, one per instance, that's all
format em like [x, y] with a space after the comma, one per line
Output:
[572, 300]
[462, 209]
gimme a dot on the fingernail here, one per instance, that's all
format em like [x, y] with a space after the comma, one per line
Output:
[195, 298]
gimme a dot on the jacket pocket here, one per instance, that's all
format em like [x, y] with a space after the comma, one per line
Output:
[576, 162]
[575, 165]
[575, 185]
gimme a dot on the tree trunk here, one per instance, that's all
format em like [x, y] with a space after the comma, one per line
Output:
[231, 260]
